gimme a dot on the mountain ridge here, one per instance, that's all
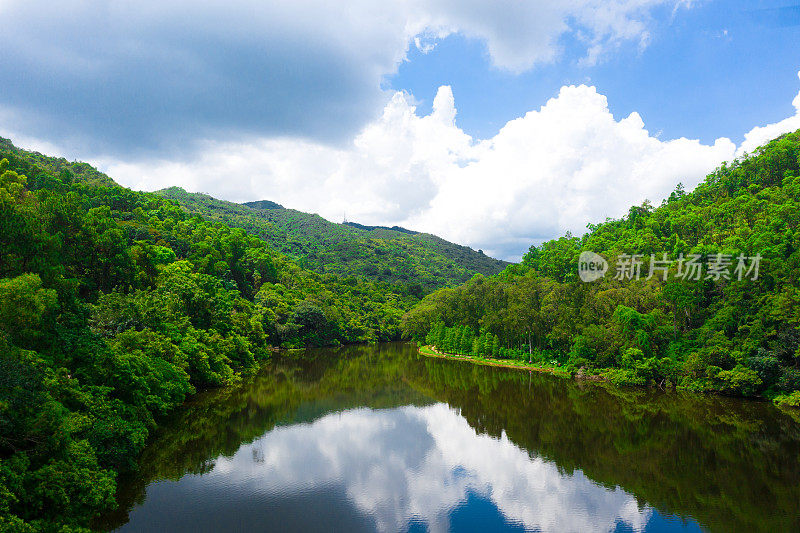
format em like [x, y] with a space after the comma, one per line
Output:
[413, 261]
[418, 261]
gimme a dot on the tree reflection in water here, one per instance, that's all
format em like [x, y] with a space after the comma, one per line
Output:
[380, 438]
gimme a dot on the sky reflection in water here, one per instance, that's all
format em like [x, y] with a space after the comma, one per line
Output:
[398, 469]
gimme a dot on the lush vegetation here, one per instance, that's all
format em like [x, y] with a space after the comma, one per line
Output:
[57, 166]
[735, 336]
[411, 262]
[115, 306]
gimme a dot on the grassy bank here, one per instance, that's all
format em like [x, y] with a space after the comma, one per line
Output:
[430, 351]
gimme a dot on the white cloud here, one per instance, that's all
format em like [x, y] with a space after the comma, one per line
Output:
[552, 170]
[559, 168]
[519, 35]
[758, 136]
[156, 76]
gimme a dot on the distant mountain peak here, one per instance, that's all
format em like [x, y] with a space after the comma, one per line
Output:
[263, 204]
[418, 262]
[371, 228]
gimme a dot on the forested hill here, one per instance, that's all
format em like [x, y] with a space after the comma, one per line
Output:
[717, 327]
[418, 261]
[413, 261]
[117, 305]
[373, 228]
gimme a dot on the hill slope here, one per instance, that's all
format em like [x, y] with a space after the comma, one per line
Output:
[728, 330]
[33, 163]
[117, 305]
[418, 261]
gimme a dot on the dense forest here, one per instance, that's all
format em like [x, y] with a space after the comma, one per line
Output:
[413, 262]
[117, 305]
[732, 330]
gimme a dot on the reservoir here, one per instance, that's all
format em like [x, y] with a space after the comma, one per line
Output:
[379, 438]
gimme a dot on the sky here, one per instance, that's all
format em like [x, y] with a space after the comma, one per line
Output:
[492, 124]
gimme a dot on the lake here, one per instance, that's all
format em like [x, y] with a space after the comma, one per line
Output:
[379, 438]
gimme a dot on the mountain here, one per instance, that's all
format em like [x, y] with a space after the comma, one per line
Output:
[263, 204]
[418, 261]
[372, 228]
[415, 262]
[720, 325]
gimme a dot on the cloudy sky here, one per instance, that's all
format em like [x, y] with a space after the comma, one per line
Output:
[493, 124]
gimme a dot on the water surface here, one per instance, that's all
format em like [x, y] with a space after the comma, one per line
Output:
[381, 439]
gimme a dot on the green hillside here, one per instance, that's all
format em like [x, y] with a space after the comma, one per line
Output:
[729, 331]
[115, 307]
[417, 261]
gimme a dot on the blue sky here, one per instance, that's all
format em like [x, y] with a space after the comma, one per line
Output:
[493, 124]
[713, 70]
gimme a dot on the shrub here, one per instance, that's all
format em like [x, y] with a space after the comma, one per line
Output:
[788, 400]
[739, 381]
[767, 367]
[789, 380]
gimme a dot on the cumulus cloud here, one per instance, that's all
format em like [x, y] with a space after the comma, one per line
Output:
[156, 76]
[557, 169]
[550, 171]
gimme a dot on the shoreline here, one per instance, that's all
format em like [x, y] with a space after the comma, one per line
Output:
[429, 351]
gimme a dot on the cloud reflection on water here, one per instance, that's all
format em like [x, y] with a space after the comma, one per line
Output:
[415, 464]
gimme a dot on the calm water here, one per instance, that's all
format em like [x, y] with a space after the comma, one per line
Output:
[381, 439]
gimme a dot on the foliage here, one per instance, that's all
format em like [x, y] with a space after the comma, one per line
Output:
[411, 262]
[735, 336]
[115, 307]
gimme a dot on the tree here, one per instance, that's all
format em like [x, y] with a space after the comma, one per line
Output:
[24, 306]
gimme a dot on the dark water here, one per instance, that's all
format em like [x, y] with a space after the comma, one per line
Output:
[379, 438]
